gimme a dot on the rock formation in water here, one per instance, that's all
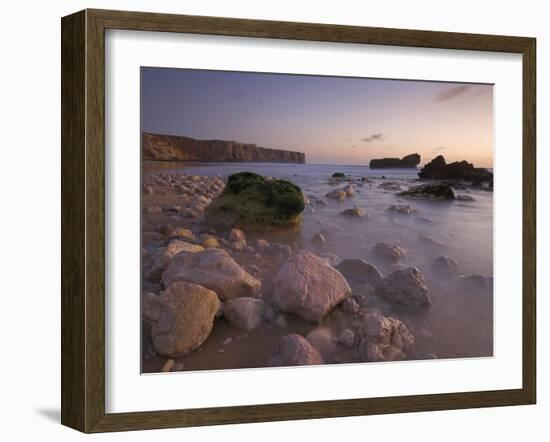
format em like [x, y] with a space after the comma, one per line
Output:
[158, 147]
[438, 169]
[407, 162]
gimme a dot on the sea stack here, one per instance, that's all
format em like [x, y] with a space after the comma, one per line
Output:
[407, 162]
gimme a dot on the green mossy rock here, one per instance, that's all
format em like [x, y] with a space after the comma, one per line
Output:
[253, 202]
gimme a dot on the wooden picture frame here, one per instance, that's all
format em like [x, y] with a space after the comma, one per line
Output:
[83, 220]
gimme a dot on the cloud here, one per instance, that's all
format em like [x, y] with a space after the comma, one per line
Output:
[450, 93]
[373, 137]
[238, 95]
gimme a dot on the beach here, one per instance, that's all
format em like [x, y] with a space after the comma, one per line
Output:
[458, 322]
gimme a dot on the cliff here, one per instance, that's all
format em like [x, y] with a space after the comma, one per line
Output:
[158, 147]
[407, 162]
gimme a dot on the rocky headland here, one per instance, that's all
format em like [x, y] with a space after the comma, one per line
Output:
[158, 147]
[407, 162]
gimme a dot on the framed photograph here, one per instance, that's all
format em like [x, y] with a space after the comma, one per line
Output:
[270, 220]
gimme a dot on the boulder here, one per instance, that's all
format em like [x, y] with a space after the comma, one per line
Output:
[309, 287]
[388, 252]
[437, 191]
[406, 287]
[438, 169]
[294, 350]
[445, 266]
[382, 338]
[185, 319]
[215, 270]
[407, 162]
[252, 201]
[246, 313]
[359, 271]
[163, 257]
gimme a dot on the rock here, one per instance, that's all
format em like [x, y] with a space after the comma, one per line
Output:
[476, 283]
[337, 194]
[215, 270]
[294, 350]
[382, 338]
[163, 257]
[153, 210]
[186, 319]
[349, 189]
[401, 210]
[407, 162]
[438, 169]
[324, 342]
[390, 185]
[165, 229]
[252, 201]
[445, 266]
[349, 305]
[388, 252]
[280, 321]
[180, 232]
[354, 212]
[309, 287]
[246, 313]
[211, 242]
[464, 198]
[237, 235]
[338, 175]
[144, 253]
[318, 239]
[262, 244]
[405, 287]
[278, 252]
[437, 191]
[168, 366]
[239, 245]
[429, 241]
[346, 338]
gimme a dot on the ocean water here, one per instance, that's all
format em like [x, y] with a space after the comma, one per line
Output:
[459, 323]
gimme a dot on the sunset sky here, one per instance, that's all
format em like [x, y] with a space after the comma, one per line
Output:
[333, 120]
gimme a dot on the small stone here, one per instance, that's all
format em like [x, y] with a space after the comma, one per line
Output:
[211, 242]
[294, 349]
[354, 212]
[239, 245]
[237, 235]
[405, 287]
[350, 306]
[346, 338]
[148, 190]
[165, 229]
[180, 232]
[388, 252]
[445, 266]
[153, 210]
[227, 341]
[262, 244]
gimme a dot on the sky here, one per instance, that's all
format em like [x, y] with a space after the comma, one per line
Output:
[333, 120]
